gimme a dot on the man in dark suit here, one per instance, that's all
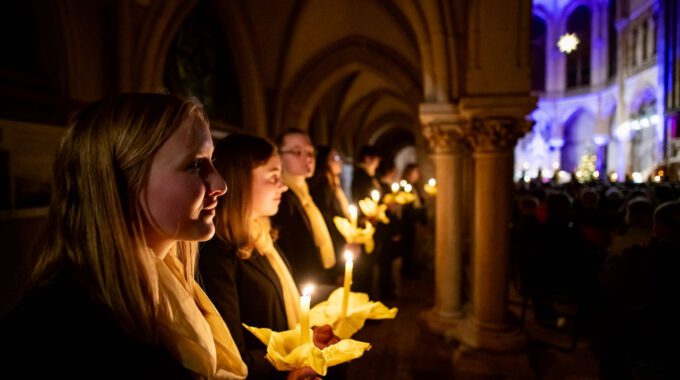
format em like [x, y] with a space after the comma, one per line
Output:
[364, 179]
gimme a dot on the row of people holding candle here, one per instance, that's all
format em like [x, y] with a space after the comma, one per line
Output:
[113, 292]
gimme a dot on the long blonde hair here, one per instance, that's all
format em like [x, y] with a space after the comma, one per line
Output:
[95, 222]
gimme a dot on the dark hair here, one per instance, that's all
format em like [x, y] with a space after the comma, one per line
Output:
[236, 156]
[322, 172]
[287, 132]
[667, 220]
[367, 151]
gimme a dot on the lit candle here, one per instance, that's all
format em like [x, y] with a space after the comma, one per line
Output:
[305, 299]
[395, 187]
[347, 285]
[375, 195]
[408, 188]
[353, 215]
[432, 182]
[402, 183]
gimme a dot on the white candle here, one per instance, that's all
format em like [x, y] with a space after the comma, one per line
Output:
[375, 195]
[347, 285]
[395, 187]
[432, 182]
[305, 300]
[353, 213]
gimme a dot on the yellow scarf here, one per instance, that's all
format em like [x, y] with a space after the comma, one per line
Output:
[262, 242]
[322, 238]
[192, 330]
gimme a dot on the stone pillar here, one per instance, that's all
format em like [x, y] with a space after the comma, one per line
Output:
[490, 326]
[445, 139]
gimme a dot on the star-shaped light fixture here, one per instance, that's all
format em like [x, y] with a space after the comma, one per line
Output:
[568, 42]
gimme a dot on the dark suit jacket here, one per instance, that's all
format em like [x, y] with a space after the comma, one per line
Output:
[244, 291]
[362, 184]
[58, 332]
[296, 240]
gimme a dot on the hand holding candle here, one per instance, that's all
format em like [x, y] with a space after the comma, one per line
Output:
[347, 285]
[305, 300]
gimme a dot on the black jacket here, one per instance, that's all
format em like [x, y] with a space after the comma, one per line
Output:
[59, 332]
[244, 291]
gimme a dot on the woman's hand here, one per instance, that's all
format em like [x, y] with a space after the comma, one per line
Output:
[324, 337]
[304, 373]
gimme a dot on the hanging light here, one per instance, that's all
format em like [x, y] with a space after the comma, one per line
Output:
[568, 42]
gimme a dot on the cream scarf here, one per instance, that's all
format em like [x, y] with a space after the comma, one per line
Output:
[322, 238]
[192, 330]
[262, 242]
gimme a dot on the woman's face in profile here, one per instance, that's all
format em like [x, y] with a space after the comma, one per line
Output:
[182, 189]
[267, 188]
[335, 162]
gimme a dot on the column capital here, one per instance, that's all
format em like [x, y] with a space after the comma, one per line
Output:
[496, 133]
[443, 126]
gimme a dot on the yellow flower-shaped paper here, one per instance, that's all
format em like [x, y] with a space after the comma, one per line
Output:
[430, 189]
[359, 309]
[400, 197]
[374, 210]
[286, 354]
[353, 234]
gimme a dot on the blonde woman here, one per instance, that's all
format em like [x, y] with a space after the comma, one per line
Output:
[242, 269]
[111, 293]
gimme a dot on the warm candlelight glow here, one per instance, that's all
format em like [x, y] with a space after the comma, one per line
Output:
[353, 214]
[556, 165]
[432, 182]
[375, 195]
[408, 188]
[347, 284]
[403, 183]
[613, 177]
[305, 300]
[395, 187]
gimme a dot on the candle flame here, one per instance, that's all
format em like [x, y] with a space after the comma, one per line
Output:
[408, 188]
[403, 183]
[395, 187]
[375, 195]
[432, 182]
[308, 289]
[348, 255]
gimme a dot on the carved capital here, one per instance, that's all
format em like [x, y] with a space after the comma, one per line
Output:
[444, 138]
[496, 133]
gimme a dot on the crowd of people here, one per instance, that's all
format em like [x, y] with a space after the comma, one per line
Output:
[609, 249]
[120, 287]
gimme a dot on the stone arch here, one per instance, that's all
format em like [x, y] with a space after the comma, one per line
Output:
[296, 103]
[578, 131]
[155, 37]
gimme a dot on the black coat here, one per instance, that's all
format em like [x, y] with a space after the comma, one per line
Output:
[59, 332]
[296, 239]
[244, 291]
[362, 184]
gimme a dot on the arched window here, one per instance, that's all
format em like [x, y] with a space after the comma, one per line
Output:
[538, 57]
[578, 61]
[199, 64]
[613, 39]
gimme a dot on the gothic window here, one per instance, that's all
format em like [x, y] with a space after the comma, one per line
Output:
[538, 53]
[578, 61]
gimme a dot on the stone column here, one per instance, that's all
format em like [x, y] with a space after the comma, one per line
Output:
[489, 327]
[447, 148]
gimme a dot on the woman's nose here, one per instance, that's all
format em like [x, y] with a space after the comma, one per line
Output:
[217, 185]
